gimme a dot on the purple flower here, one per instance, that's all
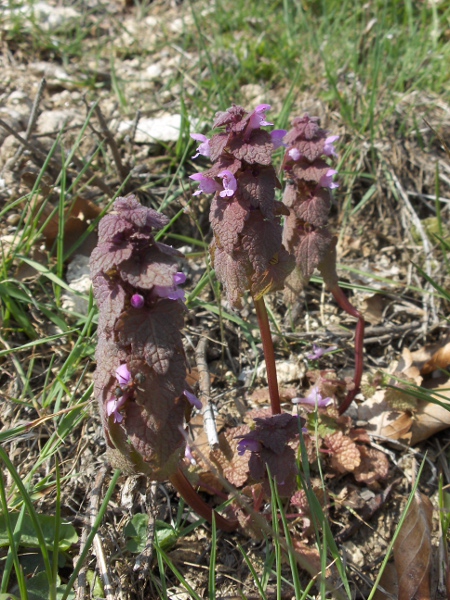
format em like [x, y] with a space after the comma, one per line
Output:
[318, 352]
[207, 185]
[248, 444]
[137, 301]
[123, 375]
[229, 184]
[257, 119]
[188, 454]
[115, 403]
[192, 398]
[277, 136]
[314, 398]
[172, 292]
[113, 407]
[294, 154]
[326, 180]
[203, 148]
[328, 148]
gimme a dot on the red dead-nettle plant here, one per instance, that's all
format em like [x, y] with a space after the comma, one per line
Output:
[247, 251]
[305, 233]
[140, 380]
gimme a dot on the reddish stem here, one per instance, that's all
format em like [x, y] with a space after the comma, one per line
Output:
[344, 303]
[269, 355]
[183, 486]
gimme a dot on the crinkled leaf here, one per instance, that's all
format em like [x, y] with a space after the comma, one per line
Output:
[305, 127]
[345, 453]
[413, 551]
[148, 268]
[111, 298]
[233, 115]
[257, 150]
[311, 251]
[234, 466]
[109, 255]
[217, 145]
[227, 218]
[310, 171]
[112, 226]
[153, 333]
[312, 148]
[273, 279]
[260, 241]
[315, 209]
[140, 216]
[374, 465]
[233, 271]
[257, 186]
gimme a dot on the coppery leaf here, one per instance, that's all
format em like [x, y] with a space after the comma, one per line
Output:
[315, 209]
[345, 453]
[374, 465]
[310, 171]
[413, 551]
[311, 251]
[227, 218]
[439, 360]
[257, 150]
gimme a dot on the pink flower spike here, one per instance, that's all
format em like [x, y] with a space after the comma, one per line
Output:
[179, 278]
[328, 148]
[314, 398]
[257, 119]
[123, 375]
[204, 148]
[137, 301]
[277, 136]
[229, 184]
[326, 181]
[207, 185]
[113, 406]
[192, 399]
[294, 154]
[248, 444]
[318, 352]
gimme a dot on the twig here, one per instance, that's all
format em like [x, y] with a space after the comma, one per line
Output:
[123, 171]
[144, 560]
[35, 109]
[98, 548]
[204, 382]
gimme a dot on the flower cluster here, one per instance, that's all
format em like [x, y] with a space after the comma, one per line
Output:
[141, 370]
[247, 251]
[307, 195]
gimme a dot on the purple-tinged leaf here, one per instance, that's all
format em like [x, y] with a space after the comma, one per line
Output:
[154, 333]
[217, 145]
[310, 171]
[111, 298]
[256, 150]
[140, 216]
[315, 209]
[232, 116]
[109, 255]
[148, 268]
[311, 251]
[257, 186]
[227, 219]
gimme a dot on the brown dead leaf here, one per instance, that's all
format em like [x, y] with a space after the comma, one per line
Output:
[373, 308]
[262, 395]
[439, 360]
[388, 583]
[431, 418]
[412, 551]
[382, 420]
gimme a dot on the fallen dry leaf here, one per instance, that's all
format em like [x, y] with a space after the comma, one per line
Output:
[431, 418]
[412, 551]
[439, 360]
